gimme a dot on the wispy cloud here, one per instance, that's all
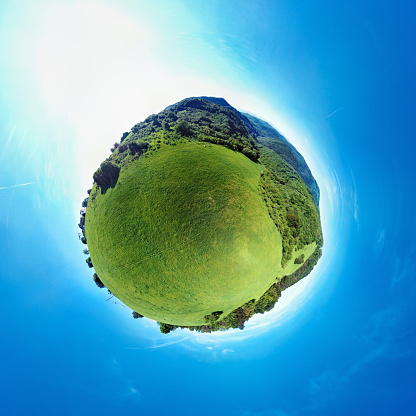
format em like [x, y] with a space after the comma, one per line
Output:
[379, 240]
[165, 344]
[354, 197]
[336, 111]
[379, 340]
[16, 186]
[404, 269]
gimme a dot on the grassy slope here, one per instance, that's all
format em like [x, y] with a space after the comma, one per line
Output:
[185, 233]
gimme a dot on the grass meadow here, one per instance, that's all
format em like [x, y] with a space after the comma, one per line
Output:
[184, 233]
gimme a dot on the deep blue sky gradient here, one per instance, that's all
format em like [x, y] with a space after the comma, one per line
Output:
[340, 79]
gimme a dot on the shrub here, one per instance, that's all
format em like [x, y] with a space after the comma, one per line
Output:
[166, 328]
[184, 129]
[300, 259]
[89, 262]
[107, 175]
[292, 220]
[211, 318]
[97, 281]
[125, 134]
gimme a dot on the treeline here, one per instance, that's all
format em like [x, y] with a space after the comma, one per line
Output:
[190, 119]
[198, 119]
[266, 302]
[290, 204]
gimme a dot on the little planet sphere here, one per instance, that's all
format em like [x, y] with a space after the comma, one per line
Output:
[201, 216]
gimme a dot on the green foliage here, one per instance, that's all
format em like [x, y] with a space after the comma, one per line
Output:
[266, 302]
[303, 271]
[300, 259]
[290, 204]
[136, 315]
[124, 136]
[106, 176]
[293, 220]
[235, 319]
[193, 119]
[271, 138]
[89, 262]
[166, 328]
[212, 317]
[183, 128]
[97, 281]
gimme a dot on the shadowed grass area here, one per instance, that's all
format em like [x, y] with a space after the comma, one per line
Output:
[185, 232]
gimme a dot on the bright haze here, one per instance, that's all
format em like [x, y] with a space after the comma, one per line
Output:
[336, 80]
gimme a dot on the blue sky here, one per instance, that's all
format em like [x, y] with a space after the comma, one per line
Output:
[336, 79]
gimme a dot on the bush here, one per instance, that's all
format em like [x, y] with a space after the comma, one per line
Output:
[300, 259]
[166, 328]
[107, 175]
[211, 318]
[184, 129]
[292, 220]
[97, 281]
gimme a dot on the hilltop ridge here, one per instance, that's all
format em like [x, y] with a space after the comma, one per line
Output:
[267, 135]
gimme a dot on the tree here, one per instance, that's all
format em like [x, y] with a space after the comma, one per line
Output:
[165, 125]
[292, 220]
[300, 259]
[89, 262]
[97, 281]
[213, 317]
[184, 129]
[85, 251]
[166, 328]
[136, 315]
[107, 175]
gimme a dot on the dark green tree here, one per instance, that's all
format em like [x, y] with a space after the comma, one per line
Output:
[300, 259]
[89, 262]
[213, 317]
[97, 281]
[166, 328]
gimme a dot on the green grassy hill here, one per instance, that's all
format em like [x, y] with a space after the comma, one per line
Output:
[192, 222]
[185, 233]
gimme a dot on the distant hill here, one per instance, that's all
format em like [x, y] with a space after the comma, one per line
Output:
[268, 136]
